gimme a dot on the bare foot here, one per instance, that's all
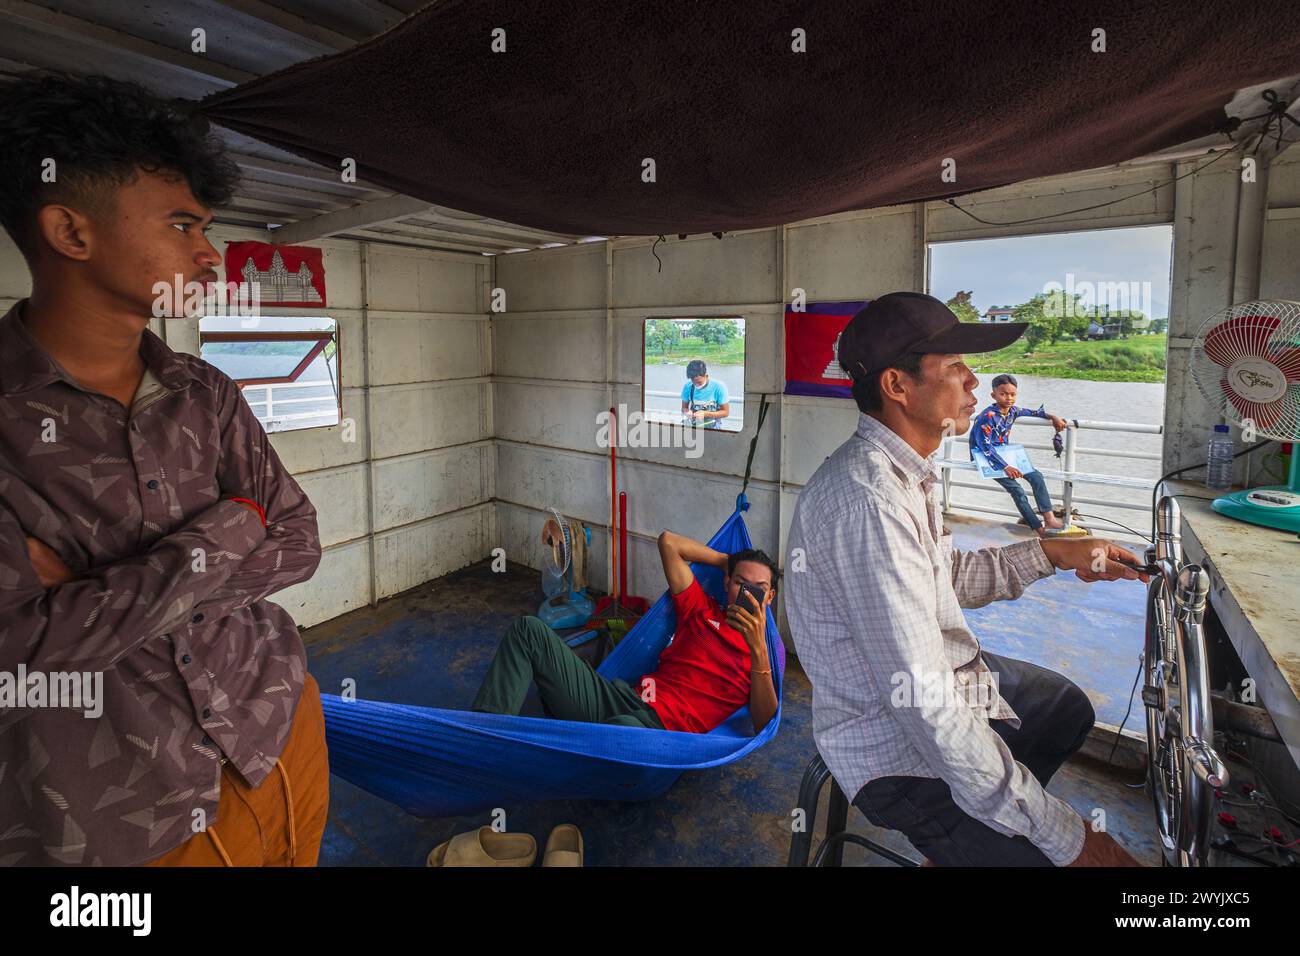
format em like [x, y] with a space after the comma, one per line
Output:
[1051, 521]
[1041, 531]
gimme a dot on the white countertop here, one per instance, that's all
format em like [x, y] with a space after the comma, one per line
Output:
[1255, 590]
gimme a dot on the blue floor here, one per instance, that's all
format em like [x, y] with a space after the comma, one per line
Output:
[430, 646]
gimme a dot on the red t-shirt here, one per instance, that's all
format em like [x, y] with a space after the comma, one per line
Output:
[703, 675]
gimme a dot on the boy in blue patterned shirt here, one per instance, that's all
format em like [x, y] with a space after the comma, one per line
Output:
[991, 428]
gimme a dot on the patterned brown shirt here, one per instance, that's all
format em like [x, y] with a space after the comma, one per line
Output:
[168, 603]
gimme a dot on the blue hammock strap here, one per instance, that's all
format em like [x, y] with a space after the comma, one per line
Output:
[742, 503]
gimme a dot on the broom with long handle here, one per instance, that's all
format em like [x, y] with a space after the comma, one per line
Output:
[613, 517]
[633, 603]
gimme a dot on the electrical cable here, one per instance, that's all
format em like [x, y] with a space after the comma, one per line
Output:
[1259, 773]
[1276, 112]
[1239, 803]
[1120, 524]
[1102, 205]
[1119, 733]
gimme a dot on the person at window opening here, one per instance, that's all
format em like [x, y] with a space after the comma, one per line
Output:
[992, 428]
[704, 399]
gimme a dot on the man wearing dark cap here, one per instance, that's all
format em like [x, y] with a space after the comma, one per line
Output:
[934, 737]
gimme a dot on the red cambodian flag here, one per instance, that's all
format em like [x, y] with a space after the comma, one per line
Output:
[281, 275]
[812, 337]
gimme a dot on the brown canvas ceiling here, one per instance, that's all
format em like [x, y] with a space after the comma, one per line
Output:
[744, 132]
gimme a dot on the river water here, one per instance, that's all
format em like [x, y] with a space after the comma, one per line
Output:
[1118, 402]
[1128, 402]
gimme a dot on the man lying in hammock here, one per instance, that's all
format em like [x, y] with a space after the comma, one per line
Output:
[716, 662]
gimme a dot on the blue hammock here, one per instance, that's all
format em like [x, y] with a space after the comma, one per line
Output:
[436, 763]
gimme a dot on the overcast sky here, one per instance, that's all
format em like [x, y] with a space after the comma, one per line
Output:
[1011, 271]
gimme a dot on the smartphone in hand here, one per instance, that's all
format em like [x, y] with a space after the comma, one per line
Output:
[755, 595]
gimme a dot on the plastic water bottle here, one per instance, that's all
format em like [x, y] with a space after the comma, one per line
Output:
[1218, 460]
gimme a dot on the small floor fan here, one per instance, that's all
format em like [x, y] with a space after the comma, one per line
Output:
[565, 606]
[1246, 361]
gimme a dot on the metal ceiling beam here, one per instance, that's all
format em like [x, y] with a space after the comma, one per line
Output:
[506, 238]
[312, 174]
[367, 235]
[237, 217]
[268, 211]
[484, 243]
[71, 28]
[291, 23]
[491, 227]
[457, 216]
[353, 218]
[293, 206]
[387, 15]
[395, 209]
[313, 198]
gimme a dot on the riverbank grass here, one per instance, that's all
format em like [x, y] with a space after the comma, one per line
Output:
[1139, 358]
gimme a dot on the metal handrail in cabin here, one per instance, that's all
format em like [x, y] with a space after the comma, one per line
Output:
[270, 401]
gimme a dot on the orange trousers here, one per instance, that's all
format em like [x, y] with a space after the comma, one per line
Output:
[280, 822]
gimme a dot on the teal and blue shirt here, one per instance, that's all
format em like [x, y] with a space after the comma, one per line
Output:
[709, 398]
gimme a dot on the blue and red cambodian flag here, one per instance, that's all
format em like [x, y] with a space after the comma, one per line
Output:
[812, 337]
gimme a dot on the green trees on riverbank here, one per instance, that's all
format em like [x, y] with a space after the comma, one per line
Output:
[1138, 359]
[1066, 339]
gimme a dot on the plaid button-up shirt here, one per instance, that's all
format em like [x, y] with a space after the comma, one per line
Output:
[167, 603]
[875, 592]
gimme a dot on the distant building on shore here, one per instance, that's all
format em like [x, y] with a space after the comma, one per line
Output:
[1097, 331]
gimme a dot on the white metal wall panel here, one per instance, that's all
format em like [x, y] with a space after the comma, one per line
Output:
[408, 556]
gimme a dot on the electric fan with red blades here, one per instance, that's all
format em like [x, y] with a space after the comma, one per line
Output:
[1246, 361]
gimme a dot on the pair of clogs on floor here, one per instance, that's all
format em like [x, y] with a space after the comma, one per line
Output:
[487, 847]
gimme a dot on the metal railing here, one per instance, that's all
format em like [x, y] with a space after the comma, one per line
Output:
[735, 422]
[268, 417]
[955, 457]
[954, 454]
[668, 393]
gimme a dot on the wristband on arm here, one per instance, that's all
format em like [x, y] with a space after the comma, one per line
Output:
[261, 513]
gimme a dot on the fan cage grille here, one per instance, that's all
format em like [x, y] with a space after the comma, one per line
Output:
[1227, 368]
